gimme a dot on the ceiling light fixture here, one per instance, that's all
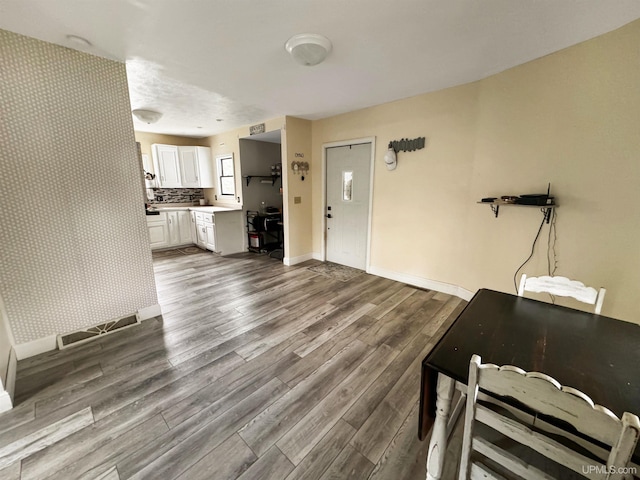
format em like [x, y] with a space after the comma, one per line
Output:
[308, 48]
[147, 116]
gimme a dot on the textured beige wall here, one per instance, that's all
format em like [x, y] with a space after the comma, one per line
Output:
[297, 140]
[76, 253]
[570, 118]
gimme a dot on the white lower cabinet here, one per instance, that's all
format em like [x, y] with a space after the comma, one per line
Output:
[169, 229]
[221, 232]
[193, 228]
[158, 231]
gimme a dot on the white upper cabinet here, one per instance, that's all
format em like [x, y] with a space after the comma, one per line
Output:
[184, 167]
[189, 170]
[167, 165]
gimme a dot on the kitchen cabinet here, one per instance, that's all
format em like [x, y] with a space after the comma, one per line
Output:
[221, 231]
[179, 226]
[169, 229]
[158, 231]
[196, 167]
[183, 166]
[193, 228]
[167, 165]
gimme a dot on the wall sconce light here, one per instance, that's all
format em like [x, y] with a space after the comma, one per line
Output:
[390, 158]
[300, 168]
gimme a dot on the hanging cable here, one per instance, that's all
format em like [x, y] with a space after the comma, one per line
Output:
[533, 246]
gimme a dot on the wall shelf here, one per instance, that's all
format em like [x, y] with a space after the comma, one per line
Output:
[495, 207]
[273, 178]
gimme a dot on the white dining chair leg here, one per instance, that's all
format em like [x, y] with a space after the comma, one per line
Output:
[438, 442]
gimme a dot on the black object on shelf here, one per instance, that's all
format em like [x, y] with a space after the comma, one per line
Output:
[265, 232]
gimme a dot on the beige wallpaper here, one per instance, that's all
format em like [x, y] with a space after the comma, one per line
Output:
[570, 118]
[75, 249]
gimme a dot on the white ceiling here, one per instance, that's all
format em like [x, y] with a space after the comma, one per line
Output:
[211, 66]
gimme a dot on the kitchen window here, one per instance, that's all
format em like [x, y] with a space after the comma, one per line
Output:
[226, 175]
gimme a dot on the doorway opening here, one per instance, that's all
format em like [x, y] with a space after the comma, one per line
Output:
[262, 193]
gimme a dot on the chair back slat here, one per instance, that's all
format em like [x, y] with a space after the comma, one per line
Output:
[562, 287]
[546, 396]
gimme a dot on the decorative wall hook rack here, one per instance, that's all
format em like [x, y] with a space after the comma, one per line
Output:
[406, 145]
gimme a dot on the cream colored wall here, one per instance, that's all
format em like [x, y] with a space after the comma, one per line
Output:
[570, 118]
[297, 216]
[419, 208]
[573, 119]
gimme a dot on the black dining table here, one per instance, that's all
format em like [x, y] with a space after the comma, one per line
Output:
[597, 355]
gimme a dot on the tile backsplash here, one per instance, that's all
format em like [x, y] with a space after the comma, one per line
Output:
[176, 195]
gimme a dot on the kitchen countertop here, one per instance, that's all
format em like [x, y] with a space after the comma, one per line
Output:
[196, 208]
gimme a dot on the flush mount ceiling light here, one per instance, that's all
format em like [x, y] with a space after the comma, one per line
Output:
[147, 116]
[308, 48]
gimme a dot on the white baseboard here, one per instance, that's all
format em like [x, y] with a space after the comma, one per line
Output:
[422, 282]
[12, 369]
[318, 256]
[46, 344]
[295, 260]
[149, 312]
[5, 401]
[36, 347]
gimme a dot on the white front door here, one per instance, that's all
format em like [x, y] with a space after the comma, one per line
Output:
[347, 209]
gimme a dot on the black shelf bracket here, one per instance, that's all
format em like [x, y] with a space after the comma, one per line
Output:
[545, 209]
[273, 178]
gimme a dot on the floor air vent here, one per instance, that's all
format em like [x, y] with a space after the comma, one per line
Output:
[91, 333]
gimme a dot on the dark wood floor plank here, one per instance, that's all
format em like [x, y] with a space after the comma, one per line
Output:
[97, 389]
[183, 455]
[301, 439]
[271, 466]
[298, 371]
[371, 398]
[11, 472]
[313, 466]
[94, 449]
[349, 465]
[393, 301]
[225, 462]
[378, 430]
[276, 335]
[330, 329]
[404, 458]
[44, 437]
[168, 384]
[264, 367]
[264, 430]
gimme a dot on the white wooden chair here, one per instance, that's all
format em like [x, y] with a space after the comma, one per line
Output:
[545, 395]
[563, 287]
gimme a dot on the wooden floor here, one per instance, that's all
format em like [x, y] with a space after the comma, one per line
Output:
[255, 371]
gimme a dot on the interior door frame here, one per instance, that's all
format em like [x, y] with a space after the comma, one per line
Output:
[323, 203]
